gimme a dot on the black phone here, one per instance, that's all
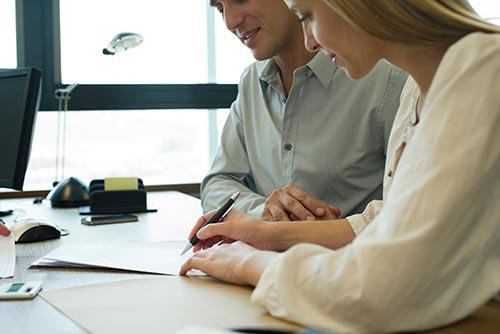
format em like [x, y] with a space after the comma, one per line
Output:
[110, 219]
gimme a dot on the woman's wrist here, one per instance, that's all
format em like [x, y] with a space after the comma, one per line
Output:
[255, 265]
[278, 236]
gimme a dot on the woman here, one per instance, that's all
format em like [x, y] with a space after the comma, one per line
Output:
[431, 254]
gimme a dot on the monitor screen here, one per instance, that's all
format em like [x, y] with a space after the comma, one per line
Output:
[19, 100]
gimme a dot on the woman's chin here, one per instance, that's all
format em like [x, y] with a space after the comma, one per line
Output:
[353, 73]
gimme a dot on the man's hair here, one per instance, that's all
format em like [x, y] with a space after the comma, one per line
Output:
[422, 22]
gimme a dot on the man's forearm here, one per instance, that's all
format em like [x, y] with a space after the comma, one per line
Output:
[218, 188]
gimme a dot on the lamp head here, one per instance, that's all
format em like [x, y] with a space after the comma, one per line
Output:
[122, 42]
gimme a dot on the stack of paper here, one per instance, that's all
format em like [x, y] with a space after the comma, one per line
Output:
[7, 256]
[148, 257]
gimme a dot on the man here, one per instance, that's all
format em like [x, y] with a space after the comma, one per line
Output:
[298, 119]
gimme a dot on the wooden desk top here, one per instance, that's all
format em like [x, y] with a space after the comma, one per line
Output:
[175, 217]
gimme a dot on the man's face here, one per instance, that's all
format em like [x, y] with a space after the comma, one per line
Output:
[266, 27]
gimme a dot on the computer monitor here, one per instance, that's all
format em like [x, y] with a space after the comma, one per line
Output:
[19, 101]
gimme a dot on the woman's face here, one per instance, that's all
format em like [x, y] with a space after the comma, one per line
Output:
[349, 47]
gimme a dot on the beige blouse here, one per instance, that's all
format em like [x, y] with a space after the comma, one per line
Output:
[402, 130]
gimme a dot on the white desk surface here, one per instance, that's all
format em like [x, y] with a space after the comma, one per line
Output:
[176, 215]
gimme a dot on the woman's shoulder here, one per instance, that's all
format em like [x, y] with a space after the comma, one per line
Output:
[472, 60]
[478, 39]
[471, 49]
[466, 82]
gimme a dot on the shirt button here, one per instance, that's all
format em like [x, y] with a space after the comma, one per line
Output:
[283, 100]
[288, 146]
[390, 173]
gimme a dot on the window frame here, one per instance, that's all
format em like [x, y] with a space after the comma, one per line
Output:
[38, 44]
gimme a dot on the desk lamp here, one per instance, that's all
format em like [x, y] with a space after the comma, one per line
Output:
[70, 192]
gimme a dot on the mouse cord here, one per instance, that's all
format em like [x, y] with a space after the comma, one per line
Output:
[18, 213]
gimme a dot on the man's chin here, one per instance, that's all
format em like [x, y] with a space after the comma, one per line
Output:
[260, 54]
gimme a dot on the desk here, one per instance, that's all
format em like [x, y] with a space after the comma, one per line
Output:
[176, 214]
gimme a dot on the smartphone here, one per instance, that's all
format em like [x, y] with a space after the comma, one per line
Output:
[26, 290]
[100, 220]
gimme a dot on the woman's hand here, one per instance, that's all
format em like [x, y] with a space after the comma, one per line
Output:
[236, 263]
[4, 230]
[235, 226]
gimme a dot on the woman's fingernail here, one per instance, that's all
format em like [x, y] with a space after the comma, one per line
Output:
[320, 211]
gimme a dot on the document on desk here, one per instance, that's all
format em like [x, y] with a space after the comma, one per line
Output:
[147, 257]
[162, 305]
[8, 256]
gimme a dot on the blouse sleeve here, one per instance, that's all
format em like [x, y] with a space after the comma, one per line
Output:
[361, 220]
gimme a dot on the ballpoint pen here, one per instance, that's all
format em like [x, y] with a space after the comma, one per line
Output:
[217, 216]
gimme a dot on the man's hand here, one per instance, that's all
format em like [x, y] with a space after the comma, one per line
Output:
[292, 203]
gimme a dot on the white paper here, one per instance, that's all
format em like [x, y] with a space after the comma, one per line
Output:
[148, 257]
[7, 256]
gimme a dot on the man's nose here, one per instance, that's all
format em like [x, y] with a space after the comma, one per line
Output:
[233, 16]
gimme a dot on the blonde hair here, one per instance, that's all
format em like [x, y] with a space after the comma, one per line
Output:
[413, 21]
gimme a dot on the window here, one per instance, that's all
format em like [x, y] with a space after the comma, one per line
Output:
[8, 56]
[174, 51]
[162, 145]
[154, 111]
[487, 9]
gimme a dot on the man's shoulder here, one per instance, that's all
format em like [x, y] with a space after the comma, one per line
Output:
[387, 71]
[384, 78]
[254, 69]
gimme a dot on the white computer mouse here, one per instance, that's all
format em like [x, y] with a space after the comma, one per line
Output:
[31, 230]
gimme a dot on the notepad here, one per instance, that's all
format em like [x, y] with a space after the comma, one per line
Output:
[120, 183]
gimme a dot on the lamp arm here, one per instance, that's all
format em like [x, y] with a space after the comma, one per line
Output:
[64, 93]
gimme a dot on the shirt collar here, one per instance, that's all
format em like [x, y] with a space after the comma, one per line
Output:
[320, 65]
[323, 68]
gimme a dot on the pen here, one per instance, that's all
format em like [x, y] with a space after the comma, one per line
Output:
[217, 216]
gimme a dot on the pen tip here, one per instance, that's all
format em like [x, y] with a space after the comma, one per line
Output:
[188, 247]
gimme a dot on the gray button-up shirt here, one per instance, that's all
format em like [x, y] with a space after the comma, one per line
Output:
[329, 137]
